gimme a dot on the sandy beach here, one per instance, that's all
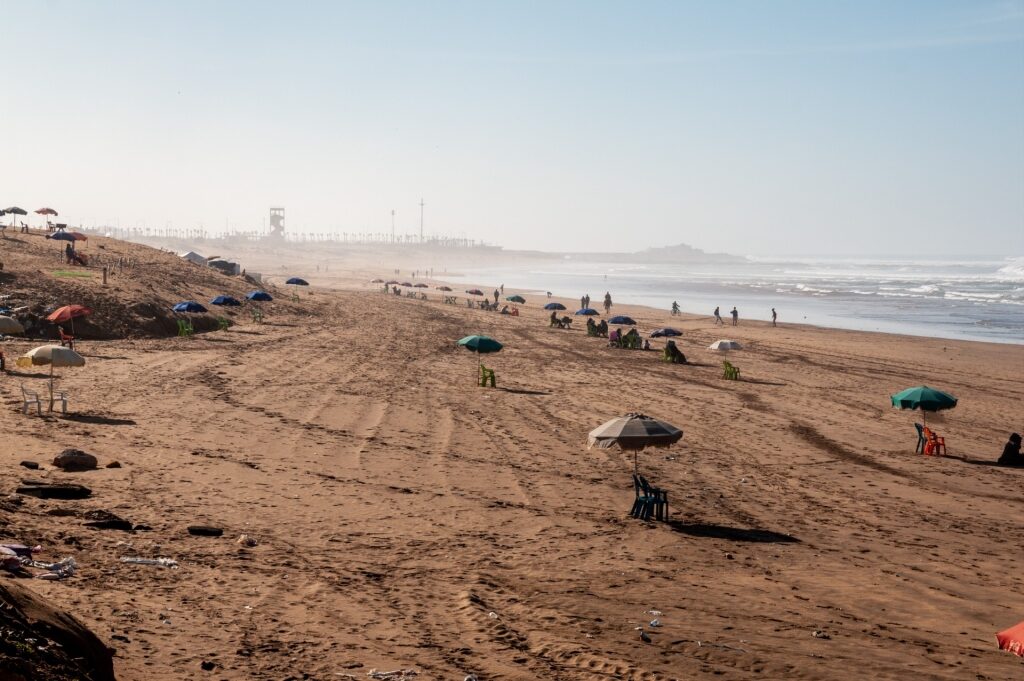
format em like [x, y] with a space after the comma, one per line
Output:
[407, 519]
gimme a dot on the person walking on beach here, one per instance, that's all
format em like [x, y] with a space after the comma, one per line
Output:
[586, 300]
[735, 316]
[607, 302]
[718, 317]
[502, 289]
[675, 308]
[583, 302]
[495, 296]
[774, 316]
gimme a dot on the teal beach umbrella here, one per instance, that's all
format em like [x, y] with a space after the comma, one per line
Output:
[516, 299]
[480, 344]
[924, 398]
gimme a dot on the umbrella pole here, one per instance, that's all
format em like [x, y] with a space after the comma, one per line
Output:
[51, 385]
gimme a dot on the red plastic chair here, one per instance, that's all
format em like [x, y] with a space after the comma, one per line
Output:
[934, 444]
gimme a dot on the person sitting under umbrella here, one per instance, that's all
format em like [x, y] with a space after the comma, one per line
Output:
[615, 338]
[1011, 452]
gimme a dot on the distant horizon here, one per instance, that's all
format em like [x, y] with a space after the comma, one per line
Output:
[744, 126]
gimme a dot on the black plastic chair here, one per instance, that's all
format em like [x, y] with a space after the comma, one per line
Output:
[920, 438]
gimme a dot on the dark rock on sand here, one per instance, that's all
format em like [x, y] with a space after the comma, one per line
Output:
[44, 490]
[30, 464]
[75, 460]
[205, 531]
[42, 642]
[114, 464]
[105, 520]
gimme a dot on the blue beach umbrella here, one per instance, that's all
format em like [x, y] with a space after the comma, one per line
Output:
[226, 300]
[554, 306]
[622, 319]
[262, 296]
[296, 281]
[588, 312]
[60, 236]
[665, 332]
[189, 306]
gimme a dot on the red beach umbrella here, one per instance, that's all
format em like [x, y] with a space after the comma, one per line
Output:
[46, 211]
[1012, 640]
[68, 312]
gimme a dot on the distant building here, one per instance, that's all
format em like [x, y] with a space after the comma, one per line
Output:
[194, 257]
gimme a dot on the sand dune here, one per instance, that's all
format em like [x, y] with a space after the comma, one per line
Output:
[408, 519]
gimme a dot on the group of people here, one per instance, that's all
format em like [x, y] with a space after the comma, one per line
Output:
[734, 313]
[585, 301]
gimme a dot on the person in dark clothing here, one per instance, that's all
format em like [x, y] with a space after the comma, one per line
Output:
[1011, 452]
[69, 253]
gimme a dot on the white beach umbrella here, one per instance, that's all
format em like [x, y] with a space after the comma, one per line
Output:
[725, 345]
[10, 325]
[55, 356]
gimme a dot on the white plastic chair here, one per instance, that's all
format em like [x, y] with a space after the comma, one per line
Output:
[62, 397]
[30, 397]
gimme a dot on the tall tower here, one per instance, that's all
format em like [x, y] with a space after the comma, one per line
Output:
[277, 223]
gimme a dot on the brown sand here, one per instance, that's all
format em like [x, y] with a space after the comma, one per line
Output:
[397, 506]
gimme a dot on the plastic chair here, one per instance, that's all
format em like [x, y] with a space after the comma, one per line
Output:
[921, 439]
[30, 397]
[66, 339]
[730, 372]
[62, 397]
[935, 445]
[485, 376]
[185, 328]
[649, 499]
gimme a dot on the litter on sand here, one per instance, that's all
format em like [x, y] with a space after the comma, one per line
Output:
[62, 569]
[162, 562]
[396, 675]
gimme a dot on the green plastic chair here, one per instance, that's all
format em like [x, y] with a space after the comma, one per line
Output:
[730, 372]
[185, 328]
[485, 376]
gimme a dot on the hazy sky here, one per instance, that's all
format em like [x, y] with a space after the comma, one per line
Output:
[748, 127]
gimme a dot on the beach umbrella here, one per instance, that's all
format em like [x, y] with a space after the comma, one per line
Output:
[10, 326]
[67, 313]
[444, 288]
[634, 432]
[61, 236]
[77, 236]
[480, 344]
[55, 356]
[622, 319]
[660, 333]
[391, 282]
[226, 300]
[14, 210]
[725, 345]
[46, 211]
[1012, 640]
[588, 312]
[296, 281]
[406, 283]
[189, 306]
[516, 299]
[421, 285]
[554, 306]
[924, 398]
[261, 296]
[377, 281]
[474, 292]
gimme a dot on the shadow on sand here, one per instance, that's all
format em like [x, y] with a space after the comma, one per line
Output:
[99, 420]
[524, 391]
[731, 533]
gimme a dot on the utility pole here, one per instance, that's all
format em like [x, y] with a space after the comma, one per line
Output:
[421, 220]
[392, 225]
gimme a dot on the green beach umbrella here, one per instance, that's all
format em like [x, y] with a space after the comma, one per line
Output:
[924, 398]
[516, 299]
[480, 344]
